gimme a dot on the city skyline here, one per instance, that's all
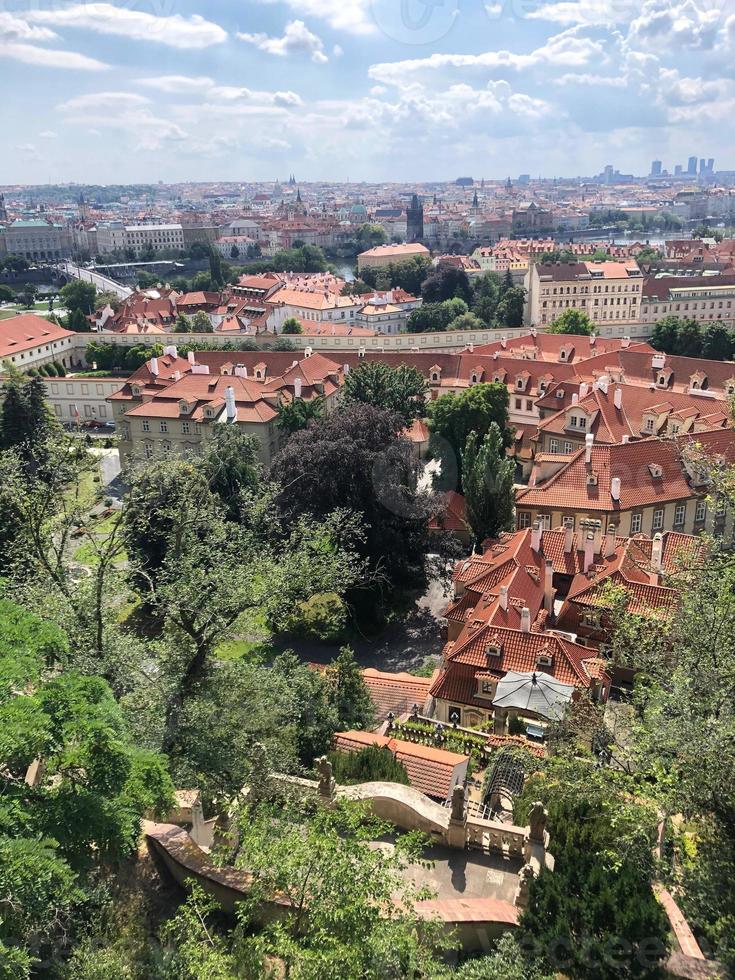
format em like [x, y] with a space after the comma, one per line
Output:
[108, 93]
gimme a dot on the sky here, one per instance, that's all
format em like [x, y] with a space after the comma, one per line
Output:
[378, 90]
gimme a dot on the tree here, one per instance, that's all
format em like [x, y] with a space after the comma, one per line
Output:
[107, 298]
[446, 281]
[510, 308]
[376, 763]
[453, 416]
[298, 413]
[594, 917]
[320, 862]
[291, 326]
[487, 482]
[401, 390]
[78, 322]
[572, 322]
[6, 294]
[84, 807]
[689, 342]
[467, 321]
[25, 421]
[200, 323]
[78, 295]
[234, 252]
[215, 269]
[435, 317]
[509, 961]
[231, 464]
[717, 342]
[350, 695]
[182, 323]
[27, 294]
[485, 296]
[665, 334]
[379, 486]
[408, 275]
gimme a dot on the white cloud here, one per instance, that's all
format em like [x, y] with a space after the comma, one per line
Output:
[207, 88]
[30, 54]
[666, 24]
[48, 134]
[103, 18]
[114, 101]
[587, 12]
[351, 16]
[608, 81]
[565, 50]
[297, 39]
[16, 29]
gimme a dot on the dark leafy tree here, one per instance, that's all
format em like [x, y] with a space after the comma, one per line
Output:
[452, 417]
[717, 342]
[510, 308]
[349, 692]
[298, 412]
[376, 763]
[291, 325]
[446, 281]
[78, 295]
[572, 322]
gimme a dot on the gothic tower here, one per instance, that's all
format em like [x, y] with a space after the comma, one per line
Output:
[415, 220]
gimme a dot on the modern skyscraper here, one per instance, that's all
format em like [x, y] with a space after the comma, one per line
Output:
[692, 165]
[678, 170]
[711, 165]
[656, 168]
[702, 165]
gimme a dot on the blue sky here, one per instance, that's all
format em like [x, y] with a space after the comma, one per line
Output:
[361, 89]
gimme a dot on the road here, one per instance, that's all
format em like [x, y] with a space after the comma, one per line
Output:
[103, 283]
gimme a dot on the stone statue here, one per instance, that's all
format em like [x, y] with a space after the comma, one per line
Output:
[458, 803]
[525, 876]
[326, 781]
[537, 822]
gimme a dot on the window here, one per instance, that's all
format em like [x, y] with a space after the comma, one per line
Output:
[524, 519]
[582, 422]
[185, 428]
[487, 687]
[680, 512]
[545, 520]
[164, 426]
[146, 425]
[519, 404]
[636, 522]
[700, 512]
[658, 519]
[568, 447]
[553, 445]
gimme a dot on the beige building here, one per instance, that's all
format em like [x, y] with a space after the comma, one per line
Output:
[28, 340]
[702, 298]
[608, 292]
[650, 486]
[82, 399]
[36, 240]
[172, 403]
[384, 255]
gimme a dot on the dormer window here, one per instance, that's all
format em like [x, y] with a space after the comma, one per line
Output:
[135, 390]
[650, 423]
[544, 659]
[662, 380]
[492, 652]
[592, 479]
[655, 470]
[435, 373]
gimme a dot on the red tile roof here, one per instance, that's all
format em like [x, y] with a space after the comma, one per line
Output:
[26, 331]
[395, 692]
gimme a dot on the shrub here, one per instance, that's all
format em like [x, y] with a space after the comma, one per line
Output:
[60, 369]
[376, 763]
[323, 616]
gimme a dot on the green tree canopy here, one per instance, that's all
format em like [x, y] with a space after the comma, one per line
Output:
[401, 389]
[573, 322]
[452, 417]
[291, 325]
[78, 295]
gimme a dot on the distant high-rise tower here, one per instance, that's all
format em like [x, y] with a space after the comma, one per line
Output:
[678, 170]
[711, 165]
[692, 166]
[415, 220]
[656, 168]
[702, 165]
[3, 209]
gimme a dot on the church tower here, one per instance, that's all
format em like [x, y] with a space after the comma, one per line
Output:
[3, 209]
[415, 220]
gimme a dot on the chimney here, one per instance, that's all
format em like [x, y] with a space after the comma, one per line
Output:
[568, 535]
[598, 537]
[549, 586]
[589, 441]
[615, 488]
[584, 389]
[589, 551]
[346, 369]
[625, 342]
[602, 384]
[610, 541]
[504, 597]
[618, 398]
[503, 341]
[471, 348]
[297, 388]
[154, 367]
[177, 375]
[308, 351]
[230, 402]
[241, 371]
[525, 620]
[191, 357]
[171, 350]
[575, 398]
[626, 439]
[536, 536]
[657, 552]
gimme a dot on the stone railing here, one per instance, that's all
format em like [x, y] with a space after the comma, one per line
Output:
[499, 838]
